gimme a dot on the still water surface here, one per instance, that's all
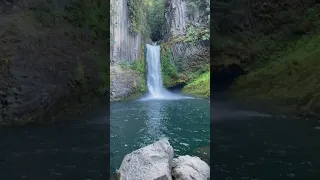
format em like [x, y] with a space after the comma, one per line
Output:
[251, 145]
[71, 149]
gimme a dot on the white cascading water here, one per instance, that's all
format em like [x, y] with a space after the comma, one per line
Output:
[154, 77]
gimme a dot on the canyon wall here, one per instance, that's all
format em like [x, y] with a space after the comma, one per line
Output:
[187, 44]
[125, 48]
[124, 45]
[179, 15]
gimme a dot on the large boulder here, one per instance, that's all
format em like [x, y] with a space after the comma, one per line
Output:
[152, 162]
[190, 168]
[124, 83]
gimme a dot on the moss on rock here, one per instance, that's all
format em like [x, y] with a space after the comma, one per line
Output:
[199, 87]
[291, 80]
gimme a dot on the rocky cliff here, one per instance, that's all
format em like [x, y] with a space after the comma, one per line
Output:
[124, 45]
[187, 39]
[125, 48]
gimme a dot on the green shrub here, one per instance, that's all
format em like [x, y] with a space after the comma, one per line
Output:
[200, 86]
[138, 16]
[168, 69]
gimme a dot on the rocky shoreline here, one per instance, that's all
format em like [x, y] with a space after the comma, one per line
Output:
[156, 162]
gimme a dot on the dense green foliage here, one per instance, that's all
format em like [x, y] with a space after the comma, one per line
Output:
[292, 78]
[200, 86]
[155, 18]
[193, 34]
[147, 17]
[138, 66]
[168, 70]
[138, 16]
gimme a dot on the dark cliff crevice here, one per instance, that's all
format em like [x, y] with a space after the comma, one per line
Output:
[177, 86]
[223, 76]
[156, 36]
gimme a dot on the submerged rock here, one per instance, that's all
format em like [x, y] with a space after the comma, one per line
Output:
[152, 162]
[190, 168]
[203, 153]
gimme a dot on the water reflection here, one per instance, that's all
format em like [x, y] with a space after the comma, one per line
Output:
[155, 125]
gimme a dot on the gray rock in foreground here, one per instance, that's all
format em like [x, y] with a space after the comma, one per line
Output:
[190, 168]
[152, 162]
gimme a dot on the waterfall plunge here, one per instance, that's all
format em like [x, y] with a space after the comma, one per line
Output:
[154, 77]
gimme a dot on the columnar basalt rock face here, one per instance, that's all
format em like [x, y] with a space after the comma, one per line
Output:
[124, 45]
[192, 55]
[178, 15]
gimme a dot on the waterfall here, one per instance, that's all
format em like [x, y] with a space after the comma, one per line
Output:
[154, 77]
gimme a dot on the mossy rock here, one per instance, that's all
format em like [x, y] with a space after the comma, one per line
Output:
[292, 79]
[199, 87]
